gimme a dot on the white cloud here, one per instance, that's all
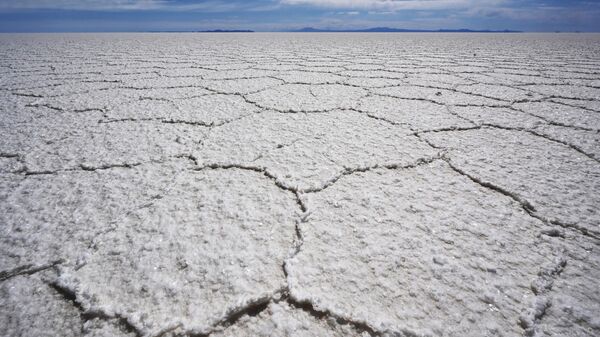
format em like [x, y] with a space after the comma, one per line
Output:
[395, 5]
[82, 4]
[124, 5]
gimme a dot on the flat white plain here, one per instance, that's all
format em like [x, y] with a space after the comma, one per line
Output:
[300, 184]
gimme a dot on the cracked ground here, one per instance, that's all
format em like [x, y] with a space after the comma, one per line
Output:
[299, 185]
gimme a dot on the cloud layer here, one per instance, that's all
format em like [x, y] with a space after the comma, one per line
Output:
[222, 5]
[143, 15]
[395, 5]
[129, 5]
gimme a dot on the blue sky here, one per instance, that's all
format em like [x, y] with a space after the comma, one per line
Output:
[273, 15]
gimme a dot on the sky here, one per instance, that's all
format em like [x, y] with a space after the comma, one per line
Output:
[278, 15]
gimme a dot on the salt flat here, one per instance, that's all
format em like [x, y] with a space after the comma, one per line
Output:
[300, 185]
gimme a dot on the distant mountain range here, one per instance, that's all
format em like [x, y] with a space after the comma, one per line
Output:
[398, 30]
[366, 30]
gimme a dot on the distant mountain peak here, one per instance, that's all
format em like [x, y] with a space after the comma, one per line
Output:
[399, 30]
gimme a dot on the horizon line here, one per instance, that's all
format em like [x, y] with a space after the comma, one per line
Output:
[306, 30]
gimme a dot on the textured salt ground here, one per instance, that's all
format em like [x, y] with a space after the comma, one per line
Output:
[299, 185]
